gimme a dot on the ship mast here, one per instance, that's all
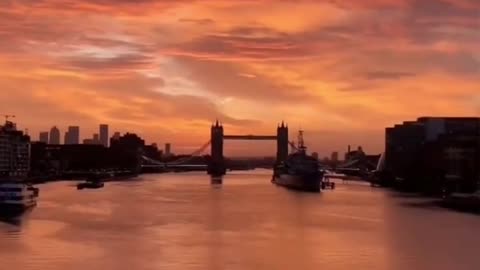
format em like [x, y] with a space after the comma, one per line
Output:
[301, 142]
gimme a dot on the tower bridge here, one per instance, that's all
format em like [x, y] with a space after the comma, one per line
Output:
[217, 166]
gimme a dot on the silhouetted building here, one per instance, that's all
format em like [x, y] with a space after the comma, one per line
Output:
[43, 137]
[427, 153]
[96, 139]
[356, 154]
[72, 136]
[168, 149]
[14, 152]
[89, 141]
[66, 138]
[104, 135]
[334, 157]
[153, 152]
[58, 159]
[349, 149]
[315, 155]
[127, 151]
[116, 136]
[54, 136]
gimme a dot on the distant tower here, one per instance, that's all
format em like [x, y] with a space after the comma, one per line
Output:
[334, 156]
[72, 136]
[43, 137]
[217, 163]
[104, 135]
[66, 138]
[282, 142]
[347, 154]
[96, 139]
[54, 136]
[168, 149]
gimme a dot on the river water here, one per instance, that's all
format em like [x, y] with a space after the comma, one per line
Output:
[182, 221]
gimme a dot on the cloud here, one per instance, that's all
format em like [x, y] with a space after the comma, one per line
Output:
[118, 63]
[168, 68]
[203, 21]
[387, 75]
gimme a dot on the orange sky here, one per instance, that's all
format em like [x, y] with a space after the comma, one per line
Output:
[341, 70]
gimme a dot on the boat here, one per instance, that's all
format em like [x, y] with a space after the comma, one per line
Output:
[16, 195]
[90, 184]
[299, 171]
[16, 198]
[93, 182]
[462, 201]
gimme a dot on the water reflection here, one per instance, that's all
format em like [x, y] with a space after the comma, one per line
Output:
[216, 180]
[16, 220]
[178, 221]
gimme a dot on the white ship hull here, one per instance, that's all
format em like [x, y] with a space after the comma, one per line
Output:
[16, 198]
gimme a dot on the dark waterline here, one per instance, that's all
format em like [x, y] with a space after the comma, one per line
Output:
[183, 221]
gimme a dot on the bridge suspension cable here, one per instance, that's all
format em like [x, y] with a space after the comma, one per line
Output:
[181, 160]
[192, 155]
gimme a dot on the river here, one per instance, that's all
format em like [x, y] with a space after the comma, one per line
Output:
[182, 221]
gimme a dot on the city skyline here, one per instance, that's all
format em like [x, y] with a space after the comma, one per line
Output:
[341, 70]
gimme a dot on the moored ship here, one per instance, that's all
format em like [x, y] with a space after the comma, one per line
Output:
[299, 171]
[16, 198]
[16, 195]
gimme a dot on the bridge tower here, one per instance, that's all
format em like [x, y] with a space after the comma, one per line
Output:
[216, 165]
[282, 142]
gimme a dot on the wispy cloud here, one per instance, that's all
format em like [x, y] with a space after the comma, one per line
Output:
[167, 68]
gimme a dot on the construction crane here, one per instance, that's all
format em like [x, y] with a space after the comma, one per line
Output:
[8, 116]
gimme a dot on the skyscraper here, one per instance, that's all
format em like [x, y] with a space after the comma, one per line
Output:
[66, 138]
[72, 136]
[54, 136]
[96, 139]
[104, 135]
[43, 137]
[168, 148]
[334, 156]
